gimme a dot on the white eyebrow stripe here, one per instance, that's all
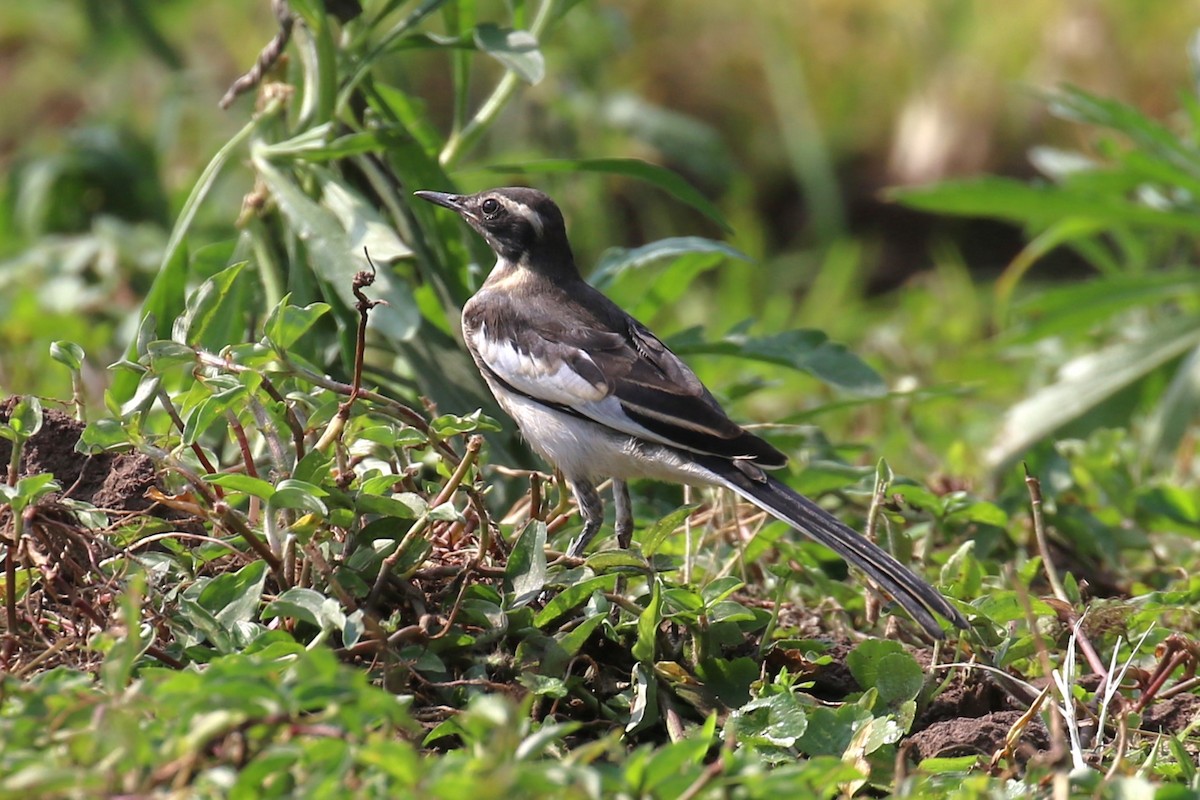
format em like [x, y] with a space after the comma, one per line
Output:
[525, 212]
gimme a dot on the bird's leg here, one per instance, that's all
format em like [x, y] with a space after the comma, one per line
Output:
[624, 513]
[591, 508]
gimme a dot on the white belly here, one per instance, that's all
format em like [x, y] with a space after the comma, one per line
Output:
[582, 449]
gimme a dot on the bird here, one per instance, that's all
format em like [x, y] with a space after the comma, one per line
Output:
[599, 396]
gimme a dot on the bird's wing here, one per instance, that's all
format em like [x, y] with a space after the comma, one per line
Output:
[625, 379]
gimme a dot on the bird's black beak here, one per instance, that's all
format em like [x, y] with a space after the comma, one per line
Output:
[454, 202]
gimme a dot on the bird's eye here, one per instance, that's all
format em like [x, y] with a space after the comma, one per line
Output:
[490, 207]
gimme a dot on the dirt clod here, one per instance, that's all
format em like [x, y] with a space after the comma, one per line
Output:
[979, 736]
[112, 481]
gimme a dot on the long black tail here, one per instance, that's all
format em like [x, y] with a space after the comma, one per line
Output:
[777, 499]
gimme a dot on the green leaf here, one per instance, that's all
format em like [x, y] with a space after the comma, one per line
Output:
[643, 709]
[246, 484]
[864, 661]
[333, 254]
[616, 261]
[24, 419]
[287, 323]
[1082, 305]
[646, 646]
[806, 350]
[165, 299]
[777, 719]
[1165, 431]
[299, 495]
[609, 560]
[28, 491]
[573, 640]
[365, 228]
[1040, 205]
[899, 679]
[68, 354]
[526, 570]
[516, 50]
[829, 732]
[729, 679]
[214, 313]
[234, 596]
[665, 179]
[654, 536]
[102, 435]
[308, 606]
[1086, 382]
[404, 505]
[164, 353]
[451, 424]
[572, 596]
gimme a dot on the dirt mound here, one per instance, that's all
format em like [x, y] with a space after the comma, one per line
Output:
[114, 482]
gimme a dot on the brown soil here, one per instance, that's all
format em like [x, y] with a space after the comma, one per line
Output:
[115, 482]
[978, 736]
[72, 596]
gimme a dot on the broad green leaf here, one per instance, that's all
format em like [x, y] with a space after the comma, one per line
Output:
[24, 419]
[332, 252]
[1083, 305]
[899, 679]
[308, 606]
[68, 354]
[516, 50]
[865, 659]
[298, 495]
[806, 350]
[646, 646]
[608, 560]
[246, 484]
[365, 228]
[287, 323]
[102, 435]
[778, 719]
[654, 536]
[829, 731]
[574, 639]
[1177, 409]
[1039, 206]
[1086, 382]
[572, 596]
[729, 679]
[1150, 136]
[165, 353]
[215, 312]
[618, 260]
[233, 597]
[402, 506]
[526, 570]
[28, 490]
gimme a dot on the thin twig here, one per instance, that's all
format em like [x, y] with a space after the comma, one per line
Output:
[1039, 532]
[364, 305]
[267, 58]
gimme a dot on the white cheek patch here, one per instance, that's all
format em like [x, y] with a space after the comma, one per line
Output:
[524, 212]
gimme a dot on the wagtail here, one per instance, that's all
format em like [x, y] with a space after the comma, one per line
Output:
[600, 396]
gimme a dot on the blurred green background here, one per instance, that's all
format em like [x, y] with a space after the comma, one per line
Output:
[791, 117]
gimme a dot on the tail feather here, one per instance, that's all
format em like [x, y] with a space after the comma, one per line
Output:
[915, 595]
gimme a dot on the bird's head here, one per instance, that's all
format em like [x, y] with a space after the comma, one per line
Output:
[523, 226]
